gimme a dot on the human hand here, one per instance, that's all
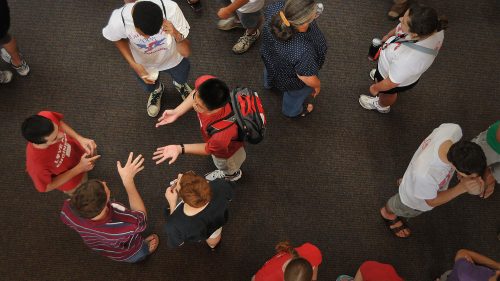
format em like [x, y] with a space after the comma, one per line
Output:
[373, 91]
[171, 195]
[168, 27]
[87, 162]
[316, 92]
[224, 13]
[473, 186]
[163, 153]
[131, 168]
[88, 144]
[489, 184]
[168, 116]
[385, 38]
[141, 72]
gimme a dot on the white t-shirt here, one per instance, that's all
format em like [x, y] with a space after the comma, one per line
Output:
[427, 174]
[158, 52]
[252, 6]
[404, 65]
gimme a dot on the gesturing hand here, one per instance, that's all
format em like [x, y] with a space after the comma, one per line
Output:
[87, 163]
[131, 168]
[89, 145]
[473, 186]
[224, 13]
[168, 27]
[171, 194]
[163, 153]
[168, 116]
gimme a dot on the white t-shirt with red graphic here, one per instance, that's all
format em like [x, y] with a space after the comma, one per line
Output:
[158, 52]
[252, 6]
[427, 174]
[44, 164]
[404, 65]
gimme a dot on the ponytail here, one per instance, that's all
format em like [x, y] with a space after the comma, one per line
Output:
[286, 247]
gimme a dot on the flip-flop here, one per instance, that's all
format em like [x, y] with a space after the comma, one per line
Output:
[397, 229]
[150, 240]
[196, 6]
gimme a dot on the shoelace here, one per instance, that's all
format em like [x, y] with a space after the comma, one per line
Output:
[155, 97]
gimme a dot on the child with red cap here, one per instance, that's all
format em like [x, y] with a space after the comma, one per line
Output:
[210, 100]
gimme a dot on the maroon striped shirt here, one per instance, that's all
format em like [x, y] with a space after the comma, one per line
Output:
[117, 236]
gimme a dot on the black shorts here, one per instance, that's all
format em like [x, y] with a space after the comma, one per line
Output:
[378, 77]
[4, 22]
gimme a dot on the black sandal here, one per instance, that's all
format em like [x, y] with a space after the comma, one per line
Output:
[196, 6]
[305, 110]
[396, 230]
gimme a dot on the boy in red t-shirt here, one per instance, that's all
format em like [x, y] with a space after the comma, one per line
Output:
[210, 100]
[56, 156]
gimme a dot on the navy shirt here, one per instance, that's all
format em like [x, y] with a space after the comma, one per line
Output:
[181, 228]
[303, 54]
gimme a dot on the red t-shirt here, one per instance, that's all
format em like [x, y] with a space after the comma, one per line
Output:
[273, 269]
[224, 143]
[375, 271]
[44, 164]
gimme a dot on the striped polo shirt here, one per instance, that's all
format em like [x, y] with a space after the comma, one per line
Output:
[117, 236]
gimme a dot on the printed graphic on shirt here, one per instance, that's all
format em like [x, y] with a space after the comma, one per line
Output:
[149, 45]
[444, 183]
[63, 151]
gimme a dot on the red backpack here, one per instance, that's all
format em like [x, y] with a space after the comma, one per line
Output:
[247, 113]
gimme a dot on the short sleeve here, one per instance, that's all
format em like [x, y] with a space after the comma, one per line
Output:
[465, 270]
[141, 221]
[372, 270]
[311, 253]
[136, 218]
[306, 64]
[179, 21]
[218, 144]
[40, 176]
[403, 69]
[115, 30]
[426, 189]
[55, 117]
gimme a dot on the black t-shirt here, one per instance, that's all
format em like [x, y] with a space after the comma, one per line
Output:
[4, 18]
[181, 228]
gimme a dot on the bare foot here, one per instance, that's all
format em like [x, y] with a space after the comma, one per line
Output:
[153, 241]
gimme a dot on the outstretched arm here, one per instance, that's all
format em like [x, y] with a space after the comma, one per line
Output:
[477, 259]
[174, 150]
[127, 174]
[170, 115]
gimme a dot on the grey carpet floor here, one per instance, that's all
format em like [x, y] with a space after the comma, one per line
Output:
[320, 179]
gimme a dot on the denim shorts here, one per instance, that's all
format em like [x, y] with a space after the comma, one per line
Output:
[250, 20]
[140, 255]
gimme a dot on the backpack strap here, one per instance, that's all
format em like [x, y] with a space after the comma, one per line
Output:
[420, 48]
[221, 124]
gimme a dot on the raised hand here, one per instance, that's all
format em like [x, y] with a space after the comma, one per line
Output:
[168, 116]
[131, 168]
[89, 145]
[87, 163]
[167, 152]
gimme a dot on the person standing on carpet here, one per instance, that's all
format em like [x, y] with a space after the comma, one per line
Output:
[424, 185]
[57, 157]
[409, 50]
[210, 100]
[9, 50]
[202, 212]
[293, 50]
[109, 228]
[244, 14]
[151, 36]
[291, 264]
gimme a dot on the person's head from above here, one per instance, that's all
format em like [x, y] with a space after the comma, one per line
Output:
[90, 199]
[210, 94]
[421, 21]
[193, 189]
[295, 16]
[148, 18]
[41, 131]
[298, 269]
[468, 159]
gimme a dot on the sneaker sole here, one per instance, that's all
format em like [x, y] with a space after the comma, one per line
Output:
[363, 106]
[230, 28]
[236, 178]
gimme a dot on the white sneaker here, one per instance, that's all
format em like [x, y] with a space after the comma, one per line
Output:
[5, 77]
[154, 101]
[371, 103]
[245, 42]
[372, 74]
[183, 89]
[22, 69]
[229, 24]
[219, 174]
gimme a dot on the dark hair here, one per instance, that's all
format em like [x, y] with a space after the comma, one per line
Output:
[424, 20]
[89, 199]
[36, 128]
[467, 157]
[298, 269]
[147, 17]
[214, 93]
[194, 190]
[297, 12]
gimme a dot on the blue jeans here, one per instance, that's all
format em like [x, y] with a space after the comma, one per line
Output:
[179, 74]
[140, 255]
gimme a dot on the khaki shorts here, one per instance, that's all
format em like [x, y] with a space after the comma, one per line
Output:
[401, 210]
[232, 164]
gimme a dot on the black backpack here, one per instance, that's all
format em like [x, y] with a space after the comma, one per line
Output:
[247, 113]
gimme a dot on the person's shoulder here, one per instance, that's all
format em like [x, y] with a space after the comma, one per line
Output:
[311, 253]
[273, 8]
[171, 7]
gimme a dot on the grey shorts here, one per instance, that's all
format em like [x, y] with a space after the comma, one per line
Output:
[492, 157]
[250, 20]
[232, 164]
[401, 210]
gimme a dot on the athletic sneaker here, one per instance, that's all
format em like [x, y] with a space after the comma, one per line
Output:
[183, 89]
[219, 174]
[229, 24]
[154, 101]
[245, 42]
[22, 69]
[372, 74]
[5, 77]
[371, 103]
